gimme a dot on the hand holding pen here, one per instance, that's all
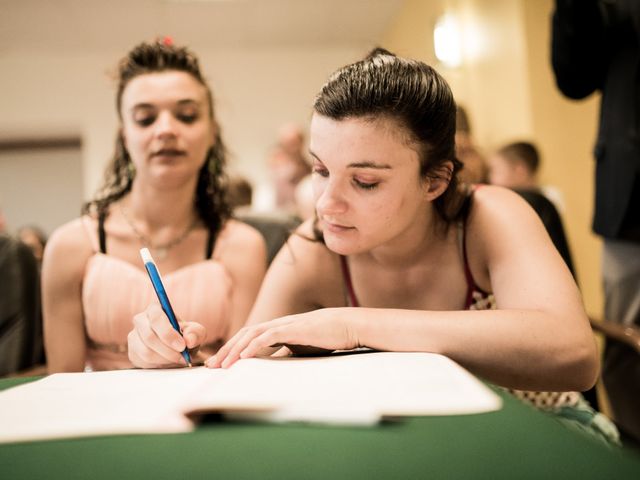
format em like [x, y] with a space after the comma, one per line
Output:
[157, 340]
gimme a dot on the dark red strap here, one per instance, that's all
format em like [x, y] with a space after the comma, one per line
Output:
[346, 275]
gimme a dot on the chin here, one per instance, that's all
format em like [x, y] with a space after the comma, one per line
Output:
[342, 246]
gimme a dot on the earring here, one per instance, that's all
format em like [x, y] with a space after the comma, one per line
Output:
[131, 170]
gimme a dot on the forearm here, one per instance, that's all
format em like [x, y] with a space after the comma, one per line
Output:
[65, 353]
[514, 348]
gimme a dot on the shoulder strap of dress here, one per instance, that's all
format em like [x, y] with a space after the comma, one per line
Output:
[211, 243]
[472, 286]
[352, 301]
[102, 235]
[87, 224]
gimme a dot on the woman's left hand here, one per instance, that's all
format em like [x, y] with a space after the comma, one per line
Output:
[327, 329]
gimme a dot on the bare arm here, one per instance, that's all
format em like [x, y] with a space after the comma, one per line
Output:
[153, 343]
[63, 266]
[244, 254]
[539, 339]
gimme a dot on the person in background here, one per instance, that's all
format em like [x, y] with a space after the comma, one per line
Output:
[515, 166]
[287, 166]
[400, 257]
[35, 238]
[164, 190]
[20, 319]
[305, 203]
[474, 168]
[239, 193]
[596, 47]
[3, 223]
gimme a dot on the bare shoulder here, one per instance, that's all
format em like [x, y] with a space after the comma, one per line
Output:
[497, 210]
[304, 248]
[311, 265]
[498, 203]
[500, 224]
[68, 249]
[240, 245]
[71, 238]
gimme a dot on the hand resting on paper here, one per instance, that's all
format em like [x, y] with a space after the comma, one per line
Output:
[313, 332]
[153, 343]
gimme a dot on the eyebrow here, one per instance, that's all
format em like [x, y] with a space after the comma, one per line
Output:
[186, 101]
[365, 164]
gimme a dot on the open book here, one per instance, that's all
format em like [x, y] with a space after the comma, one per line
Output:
[341, 389]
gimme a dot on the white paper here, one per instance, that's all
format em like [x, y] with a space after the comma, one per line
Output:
[342, 389]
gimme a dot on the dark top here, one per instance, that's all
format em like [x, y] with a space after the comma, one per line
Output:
[21, 341]
[595, 46]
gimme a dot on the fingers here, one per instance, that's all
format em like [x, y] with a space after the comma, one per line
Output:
[147, 349]
[153, 343]
[230, 352]
[194, 334]
[272, 337]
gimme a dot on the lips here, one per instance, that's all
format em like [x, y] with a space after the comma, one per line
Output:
[335, 227]
[169, 152]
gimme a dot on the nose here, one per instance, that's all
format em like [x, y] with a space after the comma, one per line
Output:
[166, 125]
[330, 199]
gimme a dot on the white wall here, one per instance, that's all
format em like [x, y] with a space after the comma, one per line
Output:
[256, 90]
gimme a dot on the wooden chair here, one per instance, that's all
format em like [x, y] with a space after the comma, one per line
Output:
[629, 336]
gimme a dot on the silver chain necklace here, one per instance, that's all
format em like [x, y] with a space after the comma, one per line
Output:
[161, 250]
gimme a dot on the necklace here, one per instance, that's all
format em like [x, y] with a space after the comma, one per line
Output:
[160, 249]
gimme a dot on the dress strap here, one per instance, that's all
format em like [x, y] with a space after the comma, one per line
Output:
[350, 294]
[211, 243]
[102, 235]
[472, 286]
[88, 226]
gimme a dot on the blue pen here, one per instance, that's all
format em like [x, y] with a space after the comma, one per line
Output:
[154, 275]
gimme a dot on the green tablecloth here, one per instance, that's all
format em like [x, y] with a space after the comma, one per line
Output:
[515, 442]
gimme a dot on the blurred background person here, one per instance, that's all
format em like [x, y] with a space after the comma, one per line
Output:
[21, 343]
[287, 165]
[516, 166]
[3, 223]
[239, 194]
[596, 47]
[474, 168]
[35, 238]
[305, 202]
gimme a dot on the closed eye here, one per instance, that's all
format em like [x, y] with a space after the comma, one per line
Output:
[187, 118]
[323, 172]
[365, 185]
[145, 121]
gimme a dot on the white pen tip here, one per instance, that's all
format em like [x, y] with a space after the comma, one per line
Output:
[146, 255]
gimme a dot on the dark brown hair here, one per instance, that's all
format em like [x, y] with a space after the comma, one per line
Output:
[413, 94]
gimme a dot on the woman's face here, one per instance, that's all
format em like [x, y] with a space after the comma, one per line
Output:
[366, 182]
[167, 126]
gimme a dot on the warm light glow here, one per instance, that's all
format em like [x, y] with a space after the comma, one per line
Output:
[446, 39]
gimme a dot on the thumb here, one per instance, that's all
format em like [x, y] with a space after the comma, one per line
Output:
[194, 334]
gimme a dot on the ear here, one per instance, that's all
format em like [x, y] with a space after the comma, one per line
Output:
[438, 181]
